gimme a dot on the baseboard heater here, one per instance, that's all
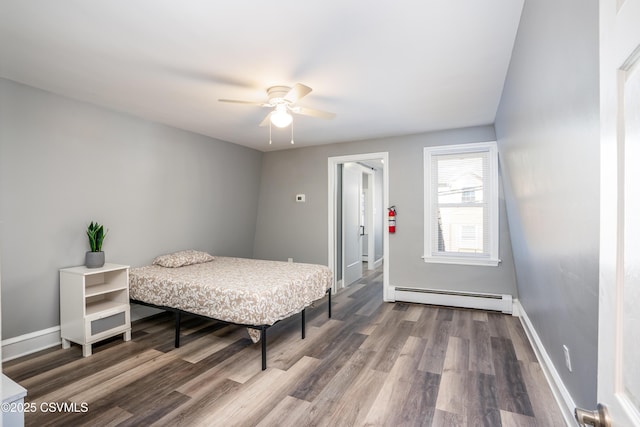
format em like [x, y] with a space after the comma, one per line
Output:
[494, 302]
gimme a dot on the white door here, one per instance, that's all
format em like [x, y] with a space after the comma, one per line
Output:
[352, 246]
[619, 299]
[368, 221]
[364, 231]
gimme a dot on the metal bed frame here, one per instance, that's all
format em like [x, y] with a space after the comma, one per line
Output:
[261, 328]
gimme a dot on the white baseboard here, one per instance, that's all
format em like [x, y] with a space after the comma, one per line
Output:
[560, 392]
[378, 263]
[22, 345]
[480, 301]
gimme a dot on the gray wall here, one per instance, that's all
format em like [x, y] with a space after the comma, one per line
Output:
[548, 138]
[157, 189]
[299, 230]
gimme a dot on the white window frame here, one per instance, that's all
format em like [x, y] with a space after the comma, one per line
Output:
[430, 202]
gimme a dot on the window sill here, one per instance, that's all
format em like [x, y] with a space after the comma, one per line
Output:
[489, 262]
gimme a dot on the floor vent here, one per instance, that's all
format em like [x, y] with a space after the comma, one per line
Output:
[494, 302]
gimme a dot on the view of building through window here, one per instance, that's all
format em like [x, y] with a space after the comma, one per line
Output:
[460, 201]
[461, 204]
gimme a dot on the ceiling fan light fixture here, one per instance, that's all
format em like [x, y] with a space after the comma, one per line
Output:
[280, 117]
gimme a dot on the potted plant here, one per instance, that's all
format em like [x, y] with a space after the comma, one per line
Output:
[95, 257]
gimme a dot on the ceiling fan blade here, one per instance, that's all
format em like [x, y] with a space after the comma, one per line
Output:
[265, 122]
[235, 101]
[297, 92]
[313, 112]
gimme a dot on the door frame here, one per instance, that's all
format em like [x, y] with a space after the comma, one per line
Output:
[619, 35]
[333, 163]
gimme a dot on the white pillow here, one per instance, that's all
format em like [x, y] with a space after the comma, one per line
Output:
[182, 258]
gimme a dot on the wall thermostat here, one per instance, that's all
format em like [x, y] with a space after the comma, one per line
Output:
[300, 198]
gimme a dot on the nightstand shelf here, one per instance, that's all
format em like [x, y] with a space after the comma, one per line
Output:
[94, 305]
[105, 288]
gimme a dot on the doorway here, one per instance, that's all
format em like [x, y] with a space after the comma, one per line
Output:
[359, 219]
[350, 223]
[366, 176]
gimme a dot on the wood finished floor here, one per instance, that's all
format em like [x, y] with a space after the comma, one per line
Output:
[372, 364]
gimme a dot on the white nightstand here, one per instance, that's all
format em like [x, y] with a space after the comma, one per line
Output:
[94, 305]
[13, 402]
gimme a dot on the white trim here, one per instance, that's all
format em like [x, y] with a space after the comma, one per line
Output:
[461, 260]
[558, 389]
[332, 164]
[492, 203]
[26, 344]
[477, 300]
[22, 345]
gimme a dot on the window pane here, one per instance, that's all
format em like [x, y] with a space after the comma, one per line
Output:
[461, 230]
[461, 204]
[460, 177]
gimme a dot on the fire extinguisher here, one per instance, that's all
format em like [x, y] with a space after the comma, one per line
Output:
[392, 219]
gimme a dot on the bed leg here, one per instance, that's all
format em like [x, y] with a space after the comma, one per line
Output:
[303, 322]
[329, 292]
[177, 341]
[263, 339]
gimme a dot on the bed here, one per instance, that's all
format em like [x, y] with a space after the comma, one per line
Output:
[247, 292]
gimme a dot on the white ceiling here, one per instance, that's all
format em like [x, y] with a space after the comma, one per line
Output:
[385, 68]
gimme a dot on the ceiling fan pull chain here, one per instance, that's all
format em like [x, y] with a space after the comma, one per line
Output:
[292, 132]
[269, 132]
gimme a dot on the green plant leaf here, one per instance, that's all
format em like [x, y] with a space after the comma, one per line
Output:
[96, 235]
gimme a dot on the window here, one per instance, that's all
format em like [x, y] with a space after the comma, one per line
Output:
[461, 204]
[469, 195]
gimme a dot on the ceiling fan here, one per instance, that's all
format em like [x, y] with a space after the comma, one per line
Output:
[283, 101]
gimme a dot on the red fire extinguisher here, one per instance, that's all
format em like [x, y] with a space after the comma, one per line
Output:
[392, 219]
